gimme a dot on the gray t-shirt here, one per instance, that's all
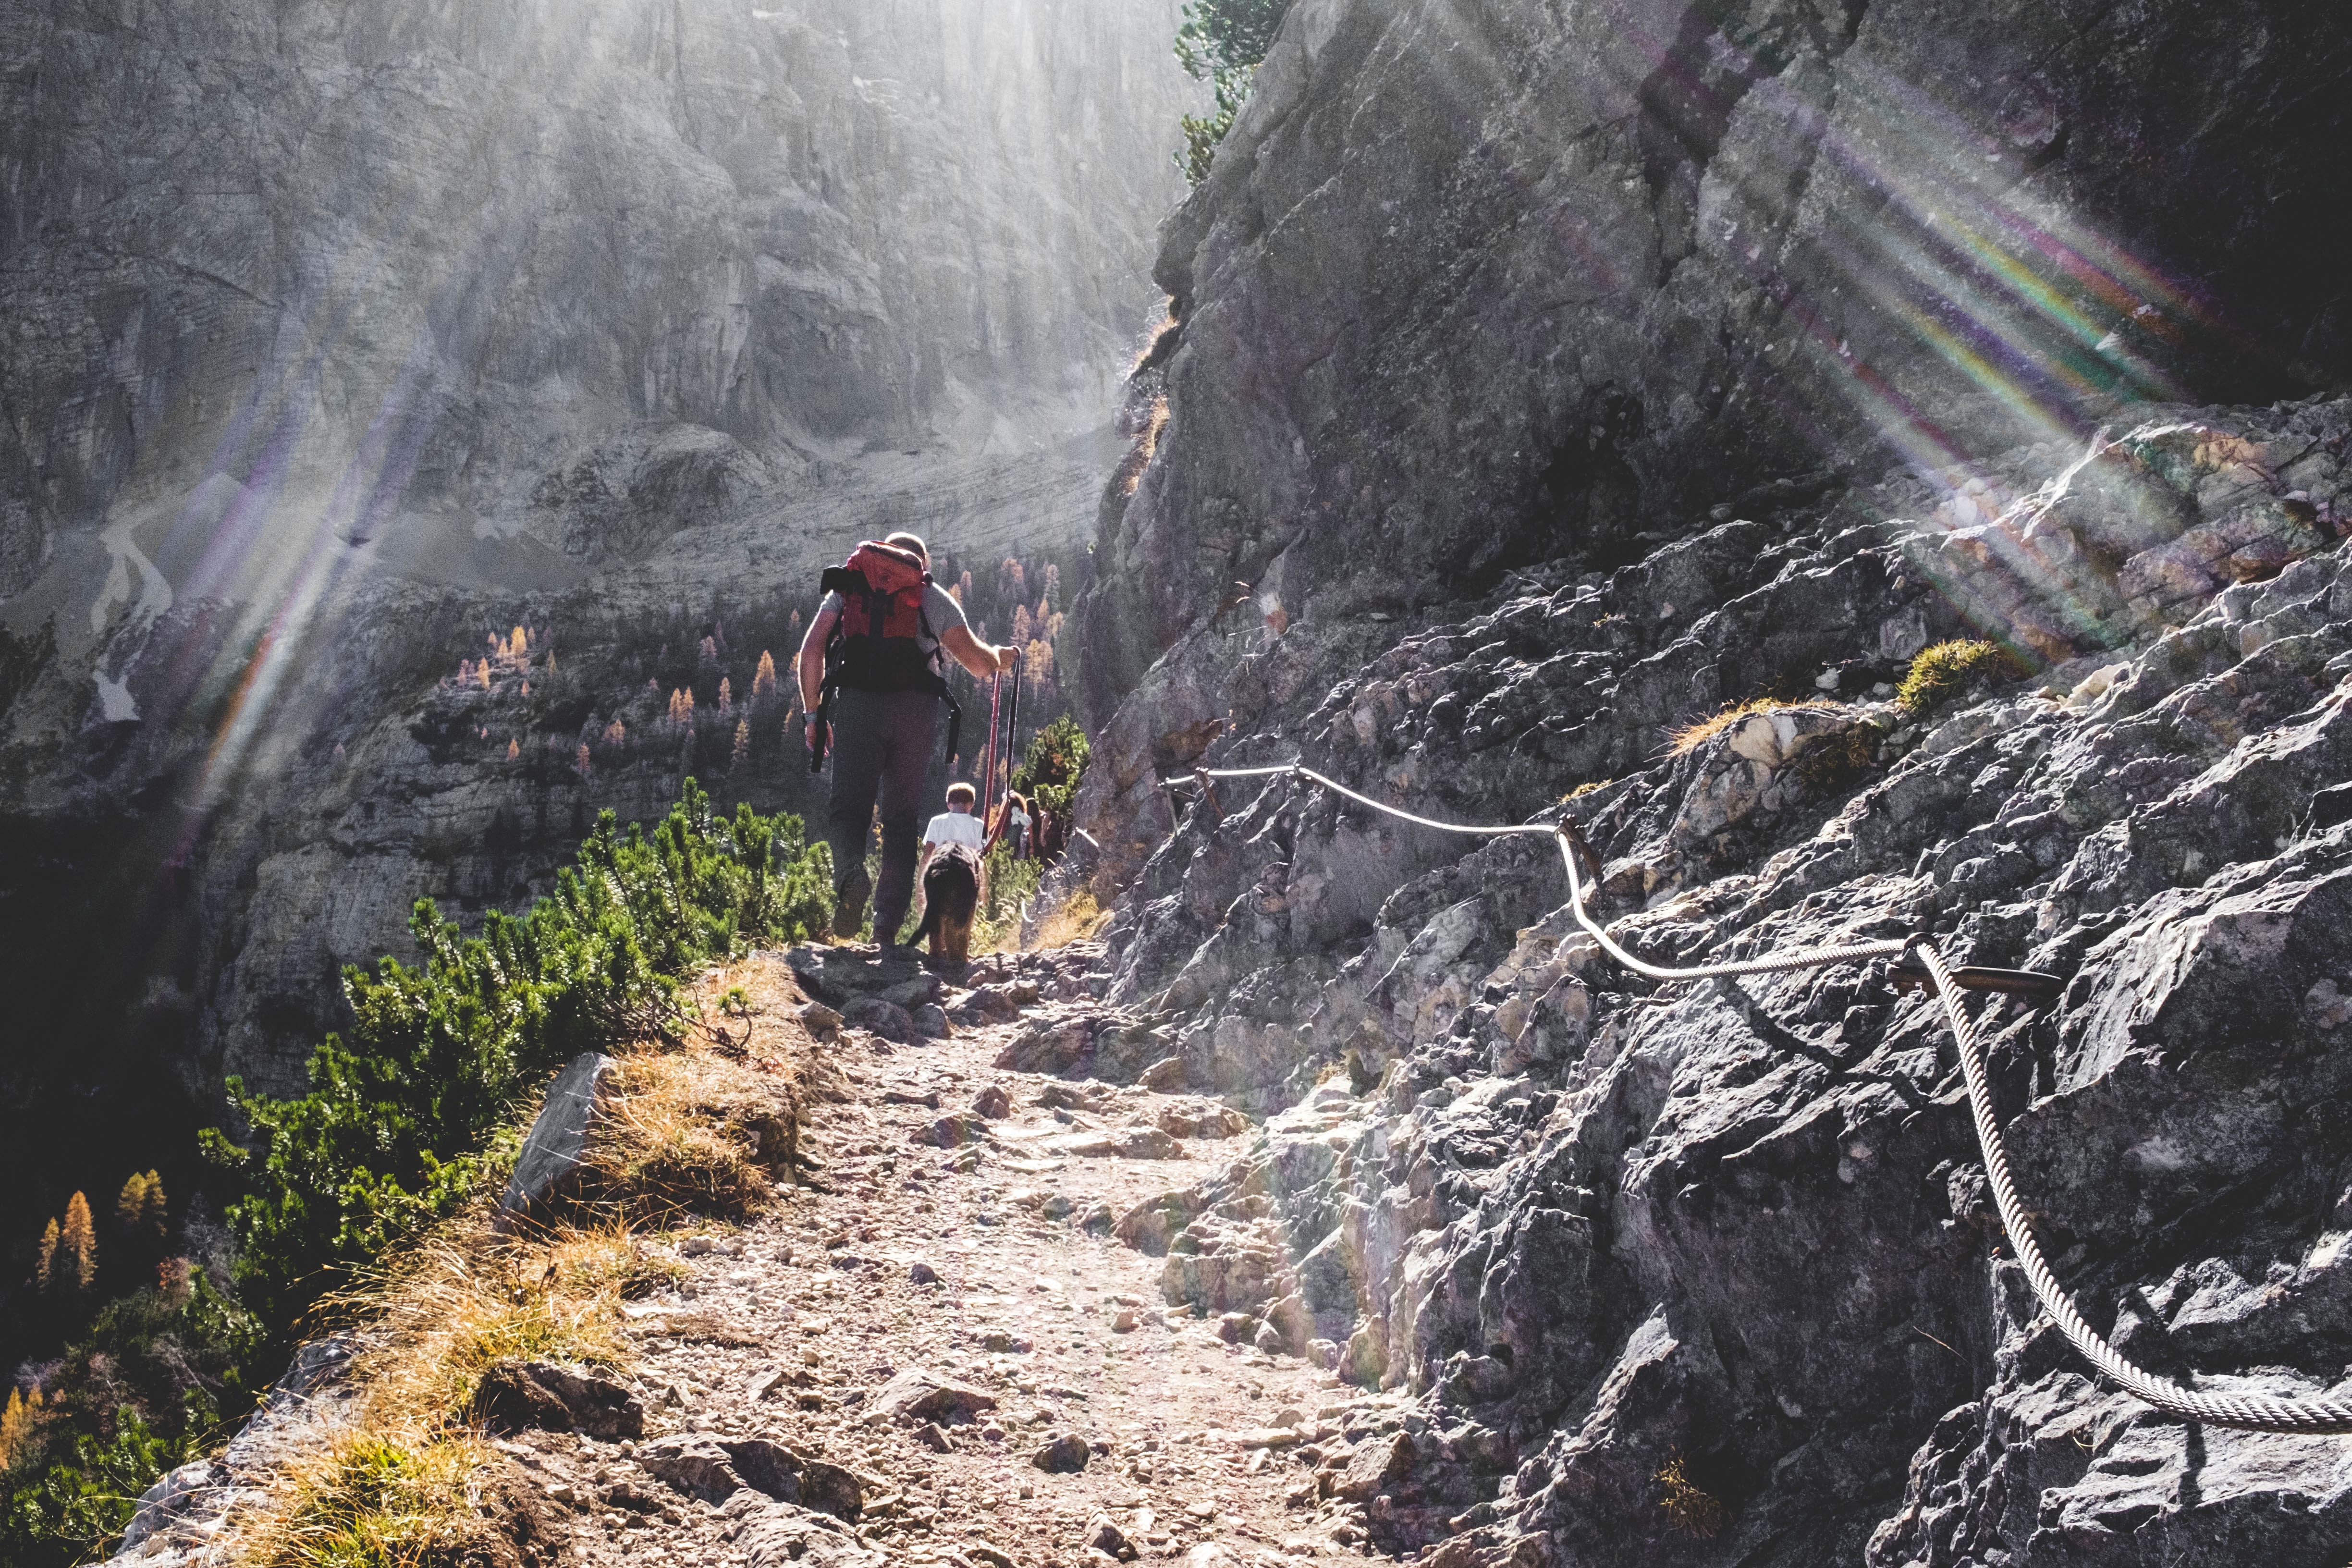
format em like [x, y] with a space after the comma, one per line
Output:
[940, 613]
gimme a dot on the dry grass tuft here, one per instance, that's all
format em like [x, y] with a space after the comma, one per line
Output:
[1690, 737]
[708, 1127]
[685, 1134]
[1689, 1510]
[1077, 919]
[404, 1483]
[371, 1500]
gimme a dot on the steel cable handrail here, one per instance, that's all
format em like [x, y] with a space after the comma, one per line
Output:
[2255, 1413]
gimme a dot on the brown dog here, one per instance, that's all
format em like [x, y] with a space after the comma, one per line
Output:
[950, 896]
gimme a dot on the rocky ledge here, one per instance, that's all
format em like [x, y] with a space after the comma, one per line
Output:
[1709, 1273]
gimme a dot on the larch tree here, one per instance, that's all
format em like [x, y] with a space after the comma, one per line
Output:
[77, 1240]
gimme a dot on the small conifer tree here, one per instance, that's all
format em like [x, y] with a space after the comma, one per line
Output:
[16, 1424]
[45, 1271]
[580, 763]
[154, 1214]
[77, 1240]
[131, 1203]
[763, 681]
[742, 743]
[514, 750]
[725, 695]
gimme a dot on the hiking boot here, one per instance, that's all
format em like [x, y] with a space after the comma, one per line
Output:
[849, 897]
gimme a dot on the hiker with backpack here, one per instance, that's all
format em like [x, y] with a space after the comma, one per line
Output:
[873, 678]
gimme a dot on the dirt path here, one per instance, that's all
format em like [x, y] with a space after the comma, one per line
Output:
[954, 1234]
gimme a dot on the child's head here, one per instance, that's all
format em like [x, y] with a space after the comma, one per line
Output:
[960, 797]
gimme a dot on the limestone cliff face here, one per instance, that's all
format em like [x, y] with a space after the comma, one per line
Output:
[1546, 381]
[1487, 283]
[338, 339]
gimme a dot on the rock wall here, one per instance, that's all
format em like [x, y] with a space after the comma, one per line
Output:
[1489, 282]
[340, 339]
[1709, 1273]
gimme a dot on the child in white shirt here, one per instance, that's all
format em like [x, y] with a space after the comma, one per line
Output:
[956, 825]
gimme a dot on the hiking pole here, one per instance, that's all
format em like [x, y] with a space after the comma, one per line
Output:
[1011, 718]
[988, 764]
[1013, 725]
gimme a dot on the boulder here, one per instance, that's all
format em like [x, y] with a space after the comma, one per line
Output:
[513, 1395]
[692, 1462]
[885, 1018]
[558, 1140]
[1058, 1042]
[918, 1395]
[1379, 1465]
[953, 1130]
[790, 1476]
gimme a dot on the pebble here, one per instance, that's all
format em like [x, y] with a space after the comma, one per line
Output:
[923, 1274]
[1065, 1455]
[1105, 1536]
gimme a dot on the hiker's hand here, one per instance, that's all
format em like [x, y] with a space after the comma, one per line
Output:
[812, 732]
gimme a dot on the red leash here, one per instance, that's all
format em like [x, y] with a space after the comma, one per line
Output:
[995, 817]
[988, 767]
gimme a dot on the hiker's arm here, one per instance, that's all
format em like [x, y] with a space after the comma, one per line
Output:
[979, 658]
[811, 662]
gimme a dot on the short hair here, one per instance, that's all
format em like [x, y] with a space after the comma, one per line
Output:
[913, 542]
[961, 792]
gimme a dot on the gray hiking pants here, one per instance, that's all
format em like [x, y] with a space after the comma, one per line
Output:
[882, 747]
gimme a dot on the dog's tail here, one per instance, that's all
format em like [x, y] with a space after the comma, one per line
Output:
[929, 928]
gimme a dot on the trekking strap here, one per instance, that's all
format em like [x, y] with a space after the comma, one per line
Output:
[2254, 1412]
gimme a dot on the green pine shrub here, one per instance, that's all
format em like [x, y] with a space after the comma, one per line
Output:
[1221, 42]
[1050, 771]
[401, 1121]
[147, 1387]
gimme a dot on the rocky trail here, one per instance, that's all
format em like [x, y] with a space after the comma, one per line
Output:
[944, 1335]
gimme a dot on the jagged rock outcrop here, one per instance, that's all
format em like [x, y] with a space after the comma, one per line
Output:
[1482, 283]
[338, 339]
[1544, 385]
[1601, 1224]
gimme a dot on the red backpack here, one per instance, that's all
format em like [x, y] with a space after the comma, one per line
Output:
[881, 591]
[874, 645]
